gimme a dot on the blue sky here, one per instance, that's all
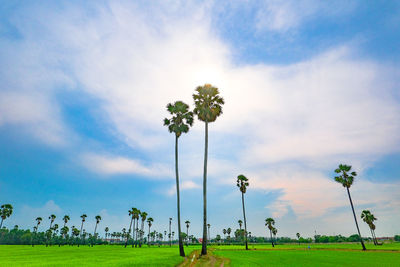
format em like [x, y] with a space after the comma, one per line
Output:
[307, 85]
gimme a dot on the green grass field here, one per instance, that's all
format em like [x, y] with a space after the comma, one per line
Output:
[259, 255]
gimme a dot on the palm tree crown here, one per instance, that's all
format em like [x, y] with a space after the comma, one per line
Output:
[346, 178]
[242, 183]
[208, 103]
[182, 118]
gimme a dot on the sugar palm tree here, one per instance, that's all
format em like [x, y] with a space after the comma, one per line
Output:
[346, 177]
[224, 232]
[269, 222]
[208, 107]
[131, 214]
[242, 182]
[170, 240]
[187, 231]
[35, 229]
[149, 223]
[143, 217]
[228, 231]
[274, 232]
[98, 219]
[106, 231]
[52, 217]
[298, 238]
[208, 231]
[181, 121]
[369, 219]
[240, 222]
[5, 211]
[83, 216]
[136, 213]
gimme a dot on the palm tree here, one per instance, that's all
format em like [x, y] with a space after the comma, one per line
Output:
[274, 232]
[208, 231]
[106, 230]
[298, 238]
[52, 217]
[369, 219]
[83, 216]
[224, 232]
[170, 240]
[346, 178]
[187, 231]
[149, 222]
[5, 211]
[269, 222]
[98, 219]
[228, 231]
[136, 213]
[242, 183]
[208, 106]
[131, 213]
[38, 221]
[240, 222]
[143, 217]
[181, 121]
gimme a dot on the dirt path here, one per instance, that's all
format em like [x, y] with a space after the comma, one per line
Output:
[195, 260]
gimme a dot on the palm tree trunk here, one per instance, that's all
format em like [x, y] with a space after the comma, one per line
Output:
[204, 243]
[372, 234]
[127, 236]
[148, 237]
[133, 233]
[1, 224]
[376, 240]
[94, 234]
[141, 233]
[181, 251]
[355, 219]
[187, 235]
[272, 241]
[245, 225]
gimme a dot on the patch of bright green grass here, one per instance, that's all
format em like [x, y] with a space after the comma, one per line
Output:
[318, 255]
[105, 255]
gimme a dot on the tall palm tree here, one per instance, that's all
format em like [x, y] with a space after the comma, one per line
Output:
[83, 216]
[35, 229]
[66, 218]
[131, 213]
[181, 121]
[106, 231]
[98, 219]
[208, 106]
[298, 237]
[208, 231]
[149, 223]
[228, 231]
[136, 213]
[242, 182]
[5, 211]
[170, 240]
[224, 232]
[52, 217]
[240, 222]
[143, 217]
[269, 222]
[346, 178]
[274, 232]
[187, 231]
[369, 219]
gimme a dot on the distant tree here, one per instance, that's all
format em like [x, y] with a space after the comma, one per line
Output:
[170, 240]
[228, 231]
[143, 217]
[369, 219]
[240, 222]
[269, 222]
[5, 211]
[187, 231]
[83, 217]
[131, 213]
[136, 214]
[274, 232]
[181, 121]
[208, 107]
[209, 234]
[346, 178]
[149, 223]
[98, 219]
[224, 232]
[242, 182]
[106, 231]
[298, 237]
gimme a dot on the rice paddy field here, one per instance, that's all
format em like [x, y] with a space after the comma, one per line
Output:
[258, 255]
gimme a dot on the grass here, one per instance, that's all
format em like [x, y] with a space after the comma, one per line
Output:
[317, 255]
[258, 255]
[87, 256]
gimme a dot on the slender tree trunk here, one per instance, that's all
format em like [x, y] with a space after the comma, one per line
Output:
[187, 235]
[372, 234]
[148, 237]
[133, 233]
[1, 224]
[170, 234]
[272, 241]
[204, 243]
[355, 219]
[94, 234]
[245, 225]
[141, 233]
[127, 236]
[376, 240]
[178, 205]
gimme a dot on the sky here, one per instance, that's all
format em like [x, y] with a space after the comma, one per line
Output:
[307, 85]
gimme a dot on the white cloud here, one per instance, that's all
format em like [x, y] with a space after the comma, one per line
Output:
[185, 185]
[114, 165]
